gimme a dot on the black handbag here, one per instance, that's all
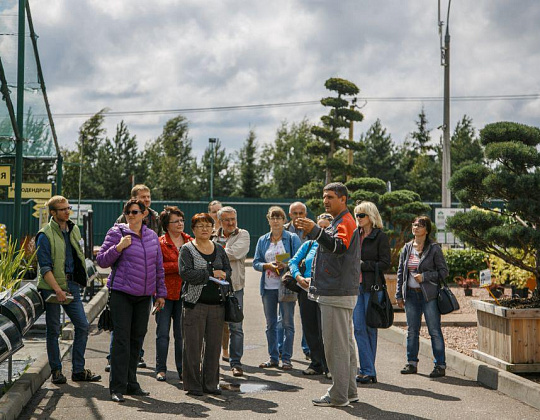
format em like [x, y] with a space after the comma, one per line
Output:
[233, 310]
[105, 322]
[379, 314]
[446, 301]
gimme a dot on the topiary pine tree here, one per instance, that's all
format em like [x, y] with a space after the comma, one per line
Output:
[328, 135]
[511, 173]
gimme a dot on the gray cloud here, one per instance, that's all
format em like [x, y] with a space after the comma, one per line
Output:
[167, 54]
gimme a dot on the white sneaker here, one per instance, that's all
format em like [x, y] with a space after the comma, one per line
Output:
[354, 399]
[325, 402]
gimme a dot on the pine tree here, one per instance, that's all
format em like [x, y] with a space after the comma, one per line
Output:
[329, 140]
[224, 176]
[250, 173]
[168, 163]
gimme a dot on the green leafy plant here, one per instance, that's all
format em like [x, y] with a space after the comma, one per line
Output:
[461, 262]
[14, 263]
[504, 272]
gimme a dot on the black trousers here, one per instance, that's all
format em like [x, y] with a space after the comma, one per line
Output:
[310, 314]
[130, 321]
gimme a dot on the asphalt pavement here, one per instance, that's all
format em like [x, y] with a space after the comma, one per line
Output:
[273, 393]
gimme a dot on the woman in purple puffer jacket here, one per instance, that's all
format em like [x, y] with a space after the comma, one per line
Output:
[134, 253]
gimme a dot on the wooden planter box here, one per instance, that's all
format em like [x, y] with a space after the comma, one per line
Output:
[391, 285]
[508, 338]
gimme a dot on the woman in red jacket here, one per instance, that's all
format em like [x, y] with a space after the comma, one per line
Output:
[172, 221]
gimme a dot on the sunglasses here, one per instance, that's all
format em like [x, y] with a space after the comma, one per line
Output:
[133, 212]
[360, 215]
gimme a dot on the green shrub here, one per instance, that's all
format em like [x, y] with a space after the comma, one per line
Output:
[461, 261]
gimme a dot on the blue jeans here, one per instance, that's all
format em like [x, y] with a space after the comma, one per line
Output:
[415, 305]
[270, 305]
[366, 337]
[172, 311]
[75, 312]
[236, 333]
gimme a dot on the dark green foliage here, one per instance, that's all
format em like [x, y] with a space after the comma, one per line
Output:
[288, 165]
[462, 261]
[250, 172]
[117, 162]
[328, 140]
[465, 148]
[91, 138]
[169, 164]
[313, 191]
[511, 173]
[467, 192]
[510, 132]
[371, 184]
[378, 155]
[224, 176]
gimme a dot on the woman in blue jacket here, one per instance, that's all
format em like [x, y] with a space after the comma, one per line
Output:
[269, 247]
[309, 310]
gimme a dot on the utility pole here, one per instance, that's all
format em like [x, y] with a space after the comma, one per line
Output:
[445, 62]
[20, 124]
[212, 142]
[351, 138]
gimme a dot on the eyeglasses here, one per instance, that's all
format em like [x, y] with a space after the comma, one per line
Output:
[177, 222]
[68, 208]
[204, 227]
[275, 219]
[133, 212]
[360, 215]
[418, 225]
[228, 220]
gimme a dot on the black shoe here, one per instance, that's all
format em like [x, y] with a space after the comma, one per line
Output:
[409, 369]
[117, 397]
[58, 377]
[138, 393]
[85, 376]
[141, 364]
[213, 391]
[108, 367]
[195, 393]
[366, 379]
[438, 372]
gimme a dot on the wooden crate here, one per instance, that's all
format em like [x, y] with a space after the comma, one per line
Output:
[391, 285]
[508, 338]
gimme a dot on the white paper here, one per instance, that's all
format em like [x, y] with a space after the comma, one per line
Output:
[218, 281]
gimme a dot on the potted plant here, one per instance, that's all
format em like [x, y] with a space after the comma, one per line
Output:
[510, 172]
[467, 282]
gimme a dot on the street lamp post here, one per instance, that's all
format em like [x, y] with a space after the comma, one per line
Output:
[212, 142]
[445, 62]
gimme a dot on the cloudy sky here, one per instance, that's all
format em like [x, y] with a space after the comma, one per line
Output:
[140, 55]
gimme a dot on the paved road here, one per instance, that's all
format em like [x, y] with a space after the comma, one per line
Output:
[275, 393]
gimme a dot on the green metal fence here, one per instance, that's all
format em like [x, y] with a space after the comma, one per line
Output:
[251, 214]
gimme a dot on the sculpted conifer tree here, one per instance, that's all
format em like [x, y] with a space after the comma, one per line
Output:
[329, 136]
[511, 173]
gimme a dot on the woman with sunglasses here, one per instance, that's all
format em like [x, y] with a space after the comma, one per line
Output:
[203, 314]
[375, 260]
[134, 253]
[269, 247]
[172, 222]
[421, 269]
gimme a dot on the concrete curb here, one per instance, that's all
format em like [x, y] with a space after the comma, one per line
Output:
[22, 390]
[508, 383]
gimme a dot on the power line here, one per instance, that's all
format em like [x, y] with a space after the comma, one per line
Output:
[468, 98]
